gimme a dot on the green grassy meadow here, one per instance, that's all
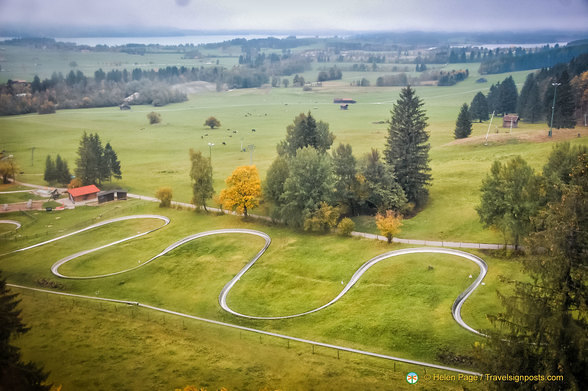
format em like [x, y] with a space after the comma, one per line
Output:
[297, 273]
[153, 156]
[401, 307]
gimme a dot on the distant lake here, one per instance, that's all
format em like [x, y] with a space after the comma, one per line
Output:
[186, 39]
[511, 45]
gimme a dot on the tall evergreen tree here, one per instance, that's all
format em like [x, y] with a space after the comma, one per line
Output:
[493, 99]
[407, 147]
[306, 132]
[112, 162]
[563, 111]
[383, 191]
[50, 171]
[15, 374]
[463, 125]
[479, 108]
[529, 105]
[508, 94]
[94, 164]
[62, 173]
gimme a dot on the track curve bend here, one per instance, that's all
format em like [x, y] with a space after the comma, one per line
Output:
[455, 310]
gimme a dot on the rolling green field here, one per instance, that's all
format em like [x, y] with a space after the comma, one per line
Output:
[297, 273]
[401, 307]
[157, 155]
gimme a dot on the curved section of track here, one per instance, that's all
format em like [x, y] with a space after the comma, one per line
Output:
[11, 222]
[455, 310]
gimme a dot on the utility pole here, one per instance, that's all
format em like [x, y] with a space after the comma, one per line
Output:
[553, 106]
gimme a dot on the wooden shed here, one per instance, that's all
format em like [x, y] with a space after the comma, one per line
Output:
[510, 120]
[111, 195]
[84, 193]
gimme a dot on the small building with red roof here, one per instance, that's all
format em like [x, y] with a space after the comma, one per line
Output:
[84, 193]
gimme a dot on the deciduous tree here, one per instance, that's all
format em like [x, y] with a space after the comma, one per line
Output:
[389, 224]
[310, 182]
[306, 132]
[509, 198]
[201, 176]
[543, 328]
[212, 122]
[243, 190]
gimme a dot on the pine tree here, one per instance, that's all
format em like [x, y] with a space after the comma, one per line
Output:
[50, 172]
[508, 96]
[529, 106]
[463, 125]
[94, 163]
[493, 99]
[15, 374]
[62, 174]
[407, 147]
[563, 111]
[479, 108]
[112, 163]
[383, 191]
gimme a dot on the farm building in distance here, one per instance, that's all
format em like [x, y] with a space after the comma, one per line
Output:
[510, 120]
[84, 193]
[110, 195]
[344, 100]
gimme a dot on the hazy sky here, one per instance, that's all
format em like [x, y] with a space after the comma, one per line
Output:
[303, 15]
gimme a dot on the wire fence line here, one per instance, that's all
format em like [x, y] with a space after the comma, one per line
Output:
[252, 330]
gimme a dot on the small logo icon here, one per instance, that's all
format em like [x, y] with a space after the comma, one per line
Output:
[412, 378]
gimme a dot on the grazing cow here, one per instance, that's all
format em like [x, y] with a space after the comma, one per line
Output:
[224, 143]
[253, 130]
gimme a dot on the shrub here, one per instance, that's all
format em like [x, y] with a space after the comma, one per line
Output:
[164, 195]
[345, 227]
[154, 118]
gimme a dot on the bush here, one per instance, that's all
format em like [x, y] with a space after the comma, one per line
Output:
[164, 195]
[47, 108]
[323, 219]
[154, 118]
[345, 227]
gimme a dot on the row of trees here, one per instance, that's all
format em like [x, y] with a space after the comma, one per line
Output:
[543, 328]
[95, 163]
[568, 82]
[56, 171]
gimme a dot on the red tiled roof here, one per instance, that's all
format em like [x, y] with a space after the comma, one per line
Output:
[79, 191]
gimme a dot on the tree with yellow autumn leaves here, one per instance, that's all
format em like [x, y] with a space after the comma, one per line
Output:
[243, 190]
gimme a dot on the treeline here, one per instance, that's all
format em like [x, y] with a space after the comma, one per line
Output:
[568, 83]
[524, 59]
[443, 78]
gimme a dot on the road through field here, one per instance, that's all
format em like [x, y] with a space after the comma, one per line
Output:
[456, 308]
